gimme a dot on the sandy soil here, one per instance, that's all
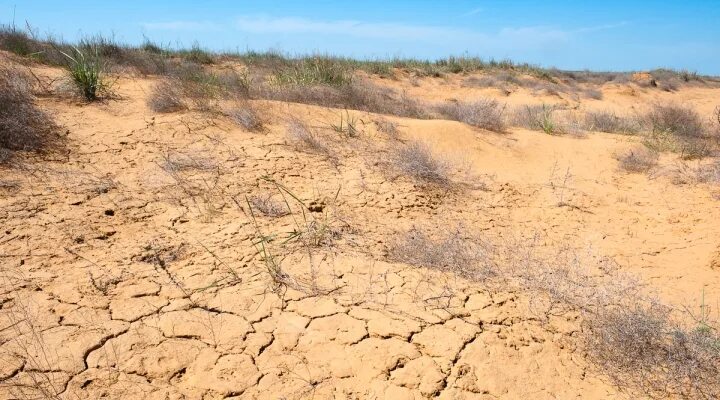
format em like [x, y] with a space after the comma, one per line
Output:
[129, 282]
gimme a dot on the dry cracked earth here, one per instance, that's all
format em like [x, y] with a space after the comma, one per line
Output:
[130, 267]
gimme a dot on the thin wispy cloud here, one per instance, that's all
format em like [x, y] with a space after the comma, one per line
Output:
[601, 27]
[517, 37]
[266, 25]
[182, 26]
[472, 12]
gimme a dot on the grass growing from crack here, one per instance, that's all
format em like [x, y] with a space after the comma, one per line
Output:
[348, 125]
[309, 233]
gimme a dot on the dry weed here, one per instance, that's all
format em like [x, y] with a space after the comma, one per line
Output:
[637, 160]
[609, 122]
[416, 161]
[245, 115]
[23, 126]
[483, 113]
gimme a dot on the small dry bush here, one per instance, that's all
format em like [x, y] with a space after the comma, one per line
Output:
[604, 121]
[361, 95]
[166, 97]
[304, 138]
[23, 126]
[188, 83]
[641, 348]
[537, 117]
[416, 161]
[175, 162]
[453, 251]
[483, 113]
[680, 121]
[268, 206]
[245, 115]
[686, 173]
[387, 127]
[641, 344]
[592, 93]
[638, 160]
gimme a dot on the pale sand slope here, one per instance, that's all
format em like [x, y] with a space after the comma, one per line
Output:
[181, 307]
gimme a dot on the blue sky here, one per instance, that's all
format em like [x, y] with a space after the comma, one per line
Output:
[598, 35]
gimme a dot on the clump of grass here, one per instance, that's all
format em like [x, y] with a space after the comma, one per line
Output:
[348, 125]
[86, 71]
[245, 115]
[482, 113]
[416, 161]
[23, 126]
[314, 71]
[638, 160]
[166, 97]
[197, 54]
[451, 251]
[604, 121]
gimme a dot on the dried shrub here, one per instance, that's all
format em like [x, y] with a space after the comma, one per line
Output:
[638, 160]
[304, 138]
[23, 126]
[698, 173]
[166, 97]
[485, 81]
[387, 127]
[537, 117]
[689, 148]
[453, 251]
[592, 93]
[604, 121]
[362, 95]
[176, 161]
[641, 348]
[483, 113]
[269, 206]
[680, 121]
[417, 161]
[244, 114]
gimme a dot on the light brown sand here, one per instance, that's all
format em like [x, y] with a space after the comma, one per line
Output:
[181, 307]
